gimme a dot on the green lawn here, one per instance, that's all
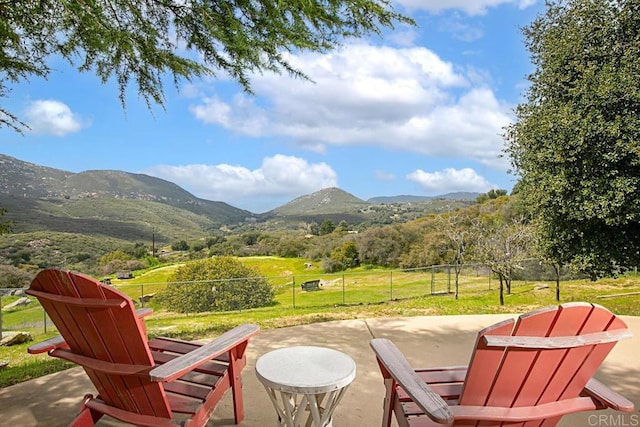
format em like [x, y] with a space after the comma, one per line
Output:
[360, 293]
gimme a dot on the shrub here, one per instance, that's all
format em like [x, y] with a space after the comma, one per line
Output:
[115, 265]
[13, 277]
[117, 255]
[330, 265]
[180, 246]
[222, 284]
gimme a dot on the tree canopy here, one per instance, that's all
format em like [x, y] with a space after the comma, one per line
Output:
[142, 41]
[215, 284]
[576, 140]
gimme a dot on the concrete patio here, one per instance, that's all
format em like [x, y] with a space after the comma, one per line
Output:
[426, 341]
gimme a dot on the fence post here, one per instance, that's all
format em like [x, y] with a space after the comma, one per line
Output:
[293, 291]
[0, 316]
[433, 278]
[343, 290]
[391, 285]
[142, 295]
[448, 279]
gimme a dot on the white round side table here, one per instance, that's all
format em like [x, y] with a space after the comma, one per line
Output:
[305, 383]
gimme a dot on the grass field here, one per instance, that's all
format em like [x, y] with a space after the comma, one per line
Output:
[361, 293]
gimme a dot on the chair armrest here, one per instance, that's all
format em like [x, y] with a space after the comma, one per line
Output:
[535, 343]
[188, 362]
[398, 367]
[607, 397]
[48, 345]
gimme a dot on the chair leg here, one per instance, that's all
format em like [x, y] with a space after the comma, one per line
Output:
[86, 416]
[235, 380]
[389, 399]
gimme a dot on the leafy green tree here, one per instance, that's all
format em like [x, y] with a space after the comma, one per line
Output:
[343, 257]
[385, 246]
[326, 227]
[576, 140]
[490, 195]
[141, 41]
[502, 245]
[5, 226]
[180, 245]
[212, 241]
[250, 238]
[343, 226]
[291, 247]
[117, 255]
[314, 228]
[329, 265]
[198, 246]
[14, 277]
[457, 227]
[215, 284]
[137, 250]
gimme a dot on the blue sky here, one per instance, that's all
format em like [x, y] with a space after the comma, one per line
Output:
[419, 111]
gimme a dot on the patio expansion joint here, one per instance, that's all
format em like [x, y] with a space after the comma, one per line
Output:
[366, 323]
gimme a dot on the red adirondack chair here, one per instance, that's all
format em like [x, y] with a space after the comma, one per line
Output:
[525, 372]
[159, 382]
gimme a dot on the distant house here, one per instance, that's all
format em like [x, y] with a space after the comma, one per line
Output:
[124, 274]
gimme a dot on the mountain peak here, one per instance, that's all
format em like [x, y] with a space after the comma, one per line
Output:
[325, 201]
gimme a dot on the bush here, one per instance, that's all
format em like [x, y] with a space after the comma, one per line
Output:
[180, 246]
[13, 277]
[230, 285]
[115, 265]
[117, 255]
[330, 265]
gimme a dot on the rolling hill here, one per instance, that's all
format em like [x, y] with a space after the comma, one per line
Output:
[109, 203]
[96, 211]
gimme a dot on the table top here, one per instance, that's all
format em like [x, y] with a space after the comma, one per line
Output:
[305, 369]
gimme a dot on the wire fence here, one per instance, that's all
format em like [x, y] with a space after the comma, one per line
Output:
[309, 290]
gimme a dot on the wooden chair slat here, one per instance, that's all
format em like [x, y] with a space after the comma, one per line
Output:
[102, 331]
[528, 372]
[187, 390]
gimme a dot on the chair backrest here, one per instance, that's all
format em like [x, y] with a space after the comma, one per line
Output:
[517, 376]
[105, 336]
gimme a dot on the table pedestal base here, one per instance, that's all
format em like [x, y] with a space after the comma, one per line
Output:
[305, 410]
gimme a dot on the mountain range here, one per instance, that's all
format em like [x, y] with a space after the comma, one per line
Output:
[132, 207]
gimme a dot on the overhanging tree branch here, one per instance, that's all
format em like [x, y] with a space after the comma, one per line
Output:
[142, 41]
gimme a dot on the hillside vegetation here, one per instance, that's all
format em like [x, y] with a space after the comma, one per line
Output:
[74, 220]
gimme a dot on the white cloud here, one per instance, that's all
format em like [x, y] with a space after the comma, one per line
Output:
[450, 180]
[212, 110]
[405, 99]
[470, 7]
[279, 177]
[50, 117]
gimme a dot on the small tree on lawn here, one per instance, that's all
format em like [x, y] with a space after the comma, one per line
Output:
[459, 234]
[215, 284]
[502, 246]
